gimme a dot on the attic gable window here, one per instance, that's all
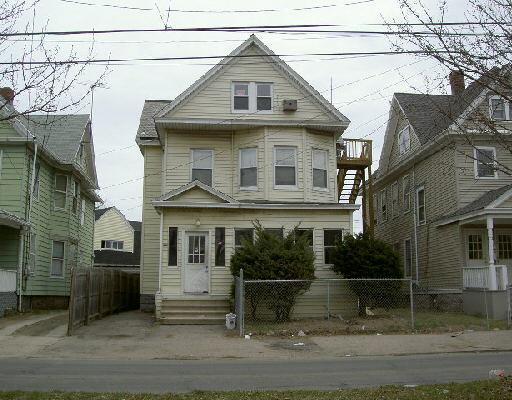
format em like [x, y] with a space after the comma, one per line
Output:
[499, 108]
[251, 97]
[485, 160]
[404, 140]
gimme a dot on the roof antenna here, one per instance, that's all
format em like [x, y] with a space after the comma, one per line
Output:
[331, 89]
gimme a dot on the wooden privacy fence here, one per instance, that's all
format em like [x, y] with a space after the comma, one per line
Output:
[97, 292]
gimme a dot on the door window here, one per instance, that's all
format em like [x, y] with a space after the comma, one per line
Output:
[196, 249]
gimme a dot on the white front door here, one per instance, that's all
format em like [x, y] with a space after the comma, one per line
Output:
[197, 277]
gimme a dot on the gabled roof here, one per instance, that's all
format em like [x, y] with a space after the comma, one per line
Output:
[197, 184]
[487, 200]
[100, 211]
[277, 62]
[147, 119]
[136, 225]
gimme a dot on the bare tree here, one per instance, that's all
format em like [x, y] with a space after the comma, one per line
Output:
[475, 46]
[44, 78]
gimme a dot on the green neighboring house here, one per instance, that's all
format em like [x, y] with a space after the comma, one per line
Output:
[47, 200]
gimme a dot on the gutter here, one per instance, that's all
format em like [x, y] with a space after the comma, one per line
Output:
[277, 206]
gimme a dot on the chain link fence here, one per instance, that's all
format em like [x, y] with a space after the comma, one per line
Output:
[346, 306]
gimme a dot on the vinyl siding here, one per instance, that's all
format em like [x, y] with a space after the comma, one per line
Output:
[395, 158]
[13, 179]
[214, 100]
[113, 226]
[151, 220]
[220, 277]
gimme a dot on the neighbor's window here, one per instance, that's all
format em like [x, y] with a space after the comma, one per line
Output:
[404, 140]
[320, 158]
[173, 247]
[112, 244]
[76, 196]
[407, 258]
[285, 173]
[499, 108]
[420, 203]
[263, 96]
[242, 234]
[383, 205]
[241, 96]
[35, 191]
[220, 247]
[61, 188]
[82, 212]
[394, 199]
[57, 267]
[249, 168]
[406, 183]
[202, 166]
[33, 252]
[504, 246]
[475, 247]
[485, 159]
[331, 237]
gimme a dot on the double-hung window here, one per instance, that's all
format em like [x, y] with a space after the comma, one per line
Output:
[249, 168]
[420, 206]
[61, 189]
[252, 97]
[76, 196]
[394, 199]
[406, 193]
[475, 247]
[504, 241]
[35, 189]
[485, 162]
[82, 212]
[320, 158]
[331, 237]
[404, 140]
[499, 108]
[285, 167]
[202, 166]
[243, 234]
[57, 267]
[307, 234]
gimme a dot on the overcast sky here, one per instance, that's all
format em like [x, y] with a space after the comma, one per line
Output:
[363, 97]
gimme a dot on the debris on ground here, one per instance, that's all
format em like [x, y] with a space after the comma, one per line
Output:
[299, 344]
[496, 373]
[247, 336]
[301, 333]
[457, 334]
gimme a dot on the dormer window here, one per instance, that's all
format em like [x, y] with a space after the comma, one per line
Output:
[251, 97]
[404, 140]
[499, 108]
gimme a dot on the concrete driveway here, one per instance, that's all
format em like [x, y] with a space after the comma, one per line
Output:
[135, 336]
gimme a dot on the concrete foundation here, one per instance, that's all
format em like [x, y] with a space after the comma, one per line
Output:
[484, 302]
[8, 302]
[147, 302]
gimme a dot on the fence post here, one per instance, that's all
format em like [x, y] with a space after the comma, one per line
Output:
[241, 298]
[71, 303]
[87, 295]
[411, 300]
[111, 308]
[100, 293]
[328, 299]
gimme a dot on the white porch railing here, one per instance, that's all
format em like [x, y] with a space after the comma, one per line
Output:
[481, 278]
[7, 280]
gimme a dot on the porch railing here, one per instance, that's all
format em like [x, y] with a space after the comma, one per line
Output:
[501, 277]
[7, 280]
[476, 277]
[354, 149]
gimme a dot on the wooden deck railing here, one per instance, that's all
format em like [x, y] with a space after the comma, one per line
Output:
[354, 150]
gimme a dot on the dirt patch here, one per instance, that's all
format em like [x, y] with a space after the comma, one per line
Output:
[42, 328]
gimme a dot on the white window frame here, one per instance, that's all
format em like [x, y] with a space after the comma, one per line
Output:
[82, 212]
[253, 95]
[55, 190]
[63, 260]
[329, 246]
[408, 129]
[418, 190]
[405, 258]
[192, 161]
[395, 207]
[240, 169]
[506, 106]
[406, 194]
[112, 247]
[287, 187]
[475, 161]
[326, 188]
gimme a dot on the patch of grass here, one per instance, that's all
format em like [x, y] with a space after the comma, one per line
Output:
[450, 322]
[480, 390]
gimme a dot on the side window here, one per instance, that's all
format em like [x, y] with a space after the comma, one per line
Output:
[331, 237]
[406, 193]
[249, 168]
[394, 199]
[383, 205]
[475, 247]
[243, 234]
[57, 267]
[420, 204]
[485, 162]
[285, 173]
[320, 161]
[82, 212]
[404, 140]
[202, 166]
[61, 188]
[35, 191]
[76, 196]
[220, 247]
[173, 247]
[33, 251]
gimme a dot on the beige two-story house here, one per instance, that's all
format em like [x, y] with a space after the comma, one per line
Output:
[250, 140]
[442, 189]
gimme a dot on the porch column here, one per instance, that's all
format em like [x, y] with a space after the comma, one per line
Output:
[493, 284]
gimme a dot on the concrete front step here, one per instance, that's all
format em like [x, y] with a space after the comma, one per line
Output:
[193, 311]
[191, 321]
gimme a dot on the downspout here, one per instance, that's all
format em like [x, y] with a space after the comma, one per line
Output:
[416, 262]
[160, 247]
[20, 264]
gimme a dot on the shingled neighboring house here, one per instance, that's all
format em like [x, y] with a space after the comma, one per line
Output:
[47, 198]
[116, 240]
[443, 190]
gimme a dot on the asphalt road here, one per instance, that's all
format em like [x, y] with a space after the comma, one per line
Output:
[159, 376]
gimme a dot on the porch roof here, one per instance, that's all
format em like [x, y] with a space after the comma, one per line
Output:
[11, 220]
[487, 204]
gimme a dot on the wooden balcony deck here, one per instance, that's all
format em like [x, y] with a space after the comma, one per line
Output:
[354, 154]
